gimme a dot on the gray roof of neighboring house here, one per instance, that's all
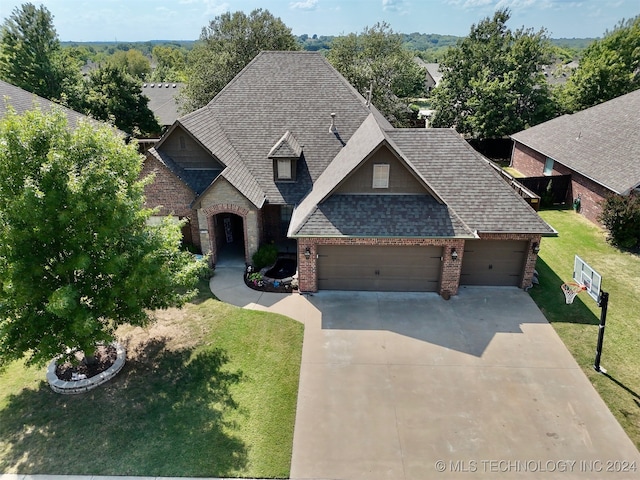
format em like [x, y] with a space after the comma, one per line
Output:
[275, 93]
[434, 70]
[602, 142]
[163, 101]
[23, 101]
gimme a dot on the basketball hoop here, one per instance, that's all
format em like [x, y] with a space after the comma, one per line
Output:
[571, 289]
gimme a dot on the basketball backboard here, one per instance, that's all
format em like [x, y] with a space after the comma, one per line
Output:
[587, 276]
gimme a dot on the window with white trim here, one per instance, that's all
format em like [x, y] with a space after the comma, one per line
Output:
[380, 175]
[548, 166]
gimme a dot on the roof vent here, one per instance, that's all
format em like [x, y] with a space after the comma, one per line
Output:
[332, 128]
[151, 85]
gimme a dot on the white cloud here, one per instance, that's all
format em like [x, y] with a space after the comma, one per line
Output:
[397, 6]
[304, 5]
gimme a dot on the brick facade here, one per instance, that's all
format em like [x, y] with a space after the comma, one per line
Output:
[169, 195]
[531, 164]
[225, 198]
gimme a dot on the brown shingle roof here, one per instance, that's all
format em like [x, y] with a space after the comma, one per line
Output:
[466, 183]
[278, 92]
[471, 196]
[602, 142]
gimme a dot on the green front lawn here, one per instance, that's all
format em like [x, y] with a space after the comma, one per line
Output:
[577, 324]
[209, 390]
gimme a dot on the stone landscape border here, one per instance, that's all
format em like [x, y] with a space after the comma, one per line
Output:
[81, 386]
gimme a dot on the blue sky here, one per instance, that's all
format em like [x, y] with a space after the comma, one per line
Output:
[139, 20]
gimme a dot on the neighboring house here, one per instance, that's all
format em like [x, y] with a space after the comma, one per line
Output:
[163, 101]
[290, 153]
[599, 147]
[22, 101]
[558, 73]
[433, 75]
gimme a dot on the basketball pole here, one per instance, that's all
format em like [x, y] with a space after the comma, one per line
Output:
[603, 303]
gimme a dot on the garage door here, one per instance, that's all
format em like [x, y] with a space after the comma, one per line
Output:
[493, 262]
[395, 269]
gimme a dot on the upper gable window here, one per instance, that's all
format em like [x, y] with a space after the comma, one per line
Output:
[284, 169]
[548, 166]
[381, 175]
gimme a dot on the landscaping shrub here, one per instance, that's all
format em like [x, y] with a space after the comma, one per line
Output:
[265, 256]
[621, 216]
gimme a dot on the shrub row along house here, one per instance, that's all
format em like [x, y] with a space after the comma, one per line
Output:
[599, 147]
[290, 153]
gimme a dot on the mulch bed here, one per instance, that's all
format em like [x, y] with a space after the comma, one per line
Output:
[268, 286]
[104, 357]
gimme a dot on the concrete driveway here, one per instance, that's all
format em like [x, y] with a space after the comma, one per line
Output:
[410, 386]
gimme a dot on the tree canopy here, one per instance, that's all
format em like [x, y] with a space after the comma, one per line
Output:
[170, 64]
[31, 56]
[77, 257]
[226, 46]
[610, 67]
[492, 82]
[111, 94]
[376, 60]
[132, 61]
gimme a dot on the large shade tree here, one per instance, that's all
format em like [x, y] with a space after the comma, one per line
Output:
[77, 257]
[111, 94]
[492, 83]
[226, 46]
[379, 67]
[610, 67]
[31, 56]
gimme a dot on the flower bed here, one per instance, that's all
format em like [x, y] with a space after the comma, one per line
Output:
[261, 282]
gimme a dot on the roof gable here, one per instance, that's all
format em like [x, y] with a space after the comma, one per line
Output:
[368, 139]
[286, 147]
[277, 92]
[602, 142]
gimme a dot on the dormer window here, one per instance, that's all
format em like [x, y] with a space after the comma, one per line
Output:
[285, 154]
[284, 169]
[380, 175]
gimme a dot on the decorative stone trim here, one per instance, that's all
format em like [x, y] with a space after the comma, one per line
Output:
[82, 386]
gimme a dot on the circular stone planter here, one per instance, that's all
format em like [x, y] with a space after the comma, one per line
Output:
[86, 384]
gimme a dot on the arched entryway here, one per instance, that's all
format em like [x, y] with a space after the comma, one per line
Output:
[228, 239]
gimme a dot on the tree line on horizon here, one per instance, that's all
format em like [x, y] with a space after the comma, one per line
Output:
[492, 84]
